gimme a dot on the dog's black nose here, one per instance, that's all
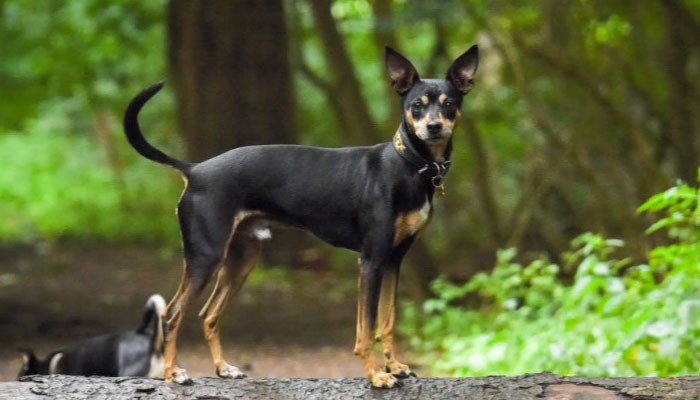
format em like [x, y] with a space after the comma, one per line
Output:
[434, 128]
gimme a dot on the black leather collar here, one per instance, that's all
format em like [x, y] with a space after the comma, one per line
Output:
[432, 170]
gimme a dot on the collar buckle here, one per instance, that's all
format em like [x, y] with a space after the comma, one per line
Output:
[437, 180]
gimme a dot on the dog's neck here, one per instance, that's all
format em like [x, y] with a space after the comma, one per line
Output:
[414, 151]
[417, 150]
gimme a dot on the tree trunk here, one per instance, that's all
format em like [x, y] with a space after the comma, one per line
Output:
[229, 63]
[537, 386]
[355, 119]
[681, 130]
[384, 32]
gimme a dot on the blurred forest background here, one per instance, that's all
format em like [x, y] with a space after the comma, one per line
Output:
[582, 110]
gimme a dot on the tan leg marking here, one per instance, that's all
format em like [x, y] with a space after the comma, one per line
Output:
[385, 329]
[364, 349]
[172, 315]
[175, 310]
[240, 259]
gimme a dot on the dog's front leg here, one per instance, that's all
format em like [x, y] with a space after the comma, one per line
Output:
[387, 318]
[370, 281]
[387, 311]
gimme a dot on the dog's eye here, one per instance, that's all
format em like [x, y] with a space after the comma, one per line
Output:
[417, 105]
[448, 103]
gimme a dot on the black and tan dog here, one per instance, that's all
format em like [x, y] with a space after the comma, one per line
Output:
[373, 200]
[137, 352]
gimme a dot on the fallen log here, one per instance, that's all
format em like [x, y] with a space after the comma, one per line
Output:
[533, 386]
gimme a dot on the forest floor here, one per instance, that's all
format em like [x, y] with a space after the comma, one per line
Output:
[284, 323]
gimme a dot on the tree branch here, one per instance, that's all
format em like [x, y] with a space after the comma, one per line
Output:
[383, 30]
[355, 119]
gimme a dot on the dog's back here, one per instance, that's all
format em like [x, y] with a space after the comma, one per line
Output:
[137, 352]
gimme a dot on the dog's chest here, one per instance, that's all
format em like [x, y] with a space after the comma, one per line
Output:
[409, 223]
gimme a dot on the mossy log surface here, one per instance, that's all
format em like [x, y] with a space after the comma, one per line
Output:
[535, 386]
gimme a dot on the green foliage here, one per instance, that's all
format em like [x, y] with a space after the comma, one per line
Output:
[612, 31]
[83, 52]
[66, 75]
[614, 318]
[556, 79]
[57, 185]
[682, 206]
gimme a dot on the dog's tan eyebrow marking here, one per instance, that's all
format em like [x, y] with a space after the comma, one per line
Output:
[442, 98]
[424, 99]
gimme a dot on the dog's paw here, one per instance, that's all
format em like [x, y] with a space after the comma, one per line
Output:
[180, 377]
[399, 370]
[230, 372]
[384, 380]
[405, 374]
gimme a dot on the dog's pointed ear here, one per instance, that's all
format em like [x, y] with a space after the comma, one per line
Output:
[402, 73]
[462, 71]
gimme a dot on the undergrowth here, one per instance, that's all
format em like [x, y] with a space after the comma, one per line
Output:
[58, 185]
[613, 318]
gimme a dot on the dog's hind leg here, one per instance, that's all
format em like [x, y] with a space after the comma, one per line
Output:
[204, 243]
[243, 251]
[190, 287]
[172, 319]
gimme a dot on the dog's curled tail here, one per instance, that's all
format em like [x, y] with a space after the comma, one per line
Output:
[152, 323]
[135, 136]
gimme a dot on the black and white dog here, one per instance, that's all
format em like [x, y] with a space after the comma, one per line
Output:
[137, 352]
